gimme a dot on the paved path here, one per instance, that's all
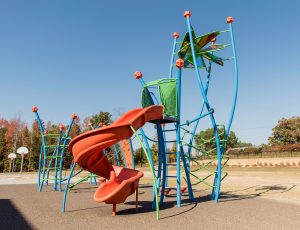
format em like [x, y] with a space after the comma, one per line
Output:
[22, 207]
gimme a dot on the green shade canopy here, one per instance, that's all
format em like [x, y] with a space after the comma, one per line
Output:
[202, 50]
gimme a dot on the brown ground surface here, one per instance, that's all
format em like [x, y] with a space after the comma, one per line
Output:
[242, 206]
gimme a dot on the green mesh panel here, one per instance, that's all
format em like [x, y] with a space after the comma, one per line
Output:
[146, 98]
[168, 97]
[167, 88]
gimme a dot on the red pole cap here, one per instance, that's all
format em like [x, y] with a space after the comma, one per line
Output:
[138, 74]
[175, 35]
[179, 63]
[230, 19]
[187, 13]
[34, 109]
[61, 127]
[213, 40]
[74, 116]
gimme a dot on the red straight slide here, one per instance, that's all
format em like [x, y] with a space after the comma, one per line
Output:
[88, 147]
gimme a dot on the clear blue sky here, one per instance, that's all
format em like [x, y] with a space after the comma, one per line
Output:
[79, 57]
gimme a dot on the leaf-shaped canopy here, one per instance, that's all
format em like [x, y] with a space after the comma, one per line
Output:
[185, 51]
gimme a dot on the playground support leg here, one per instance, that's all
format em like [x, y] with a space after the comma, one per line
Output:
[39, 169]
[187, 175]
[218, 177]
[213, 122]
[44, 166]
[114, 211]
[55, 168]
[162, 162]
[67, 188]
[178, 140]
[152, 170]
[151, 163]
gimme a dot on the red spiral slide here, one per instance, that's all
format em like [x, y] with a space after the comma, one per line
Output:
[88, 147]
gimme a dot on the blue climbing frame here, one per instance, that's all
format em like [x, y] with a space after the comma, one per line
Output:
[196, 49]
[52, 154]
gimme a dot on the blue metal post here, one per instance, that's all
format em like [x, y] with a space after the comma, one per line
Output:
[132, 153]
[217, 179]
[67, 188]
[200, 113]
[219, 168]
[178, 139]
[167, 159]
[56, 161]
[40, 163]
[66, 136]
[180, 150]
[236, 81]
[173, 55]
[161, 162]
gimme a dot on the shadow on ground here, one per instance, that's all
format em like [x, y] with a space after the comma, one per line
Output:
[254, 192]
[201, 196]
[11, 217]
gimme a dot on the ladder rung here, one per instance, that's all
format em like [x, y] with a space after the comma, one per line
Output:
[53, 157]
[52, 168]
[53, 146]
[171, 153]
[172, 176]
[169, 130]
[57, 179]
[171, 164]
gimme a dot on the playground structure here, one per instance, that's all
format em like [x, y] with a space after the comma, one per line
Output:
[52, 153]
[161, 102]
[161, 106]
[122, 149]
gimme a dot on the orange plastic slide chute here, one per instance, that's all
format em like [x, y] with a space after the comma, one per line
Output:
[88, 147]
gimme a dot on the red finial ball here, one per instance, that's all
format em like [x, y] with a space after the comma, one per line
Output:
[175, 35]
[187, 13]
[179, 63]
[230, 19]
[138, 74]
[61, 127]
[213, 40]
[34, 109]
[74, 116]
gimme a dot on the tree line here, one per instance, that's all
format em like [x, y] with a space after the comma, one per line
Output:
[15, 133]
